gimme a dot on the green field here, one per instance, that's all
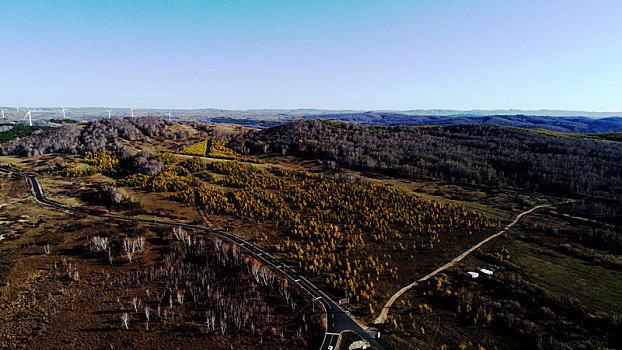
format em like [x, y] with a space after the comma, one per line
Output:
[611, 136]
[594, 286]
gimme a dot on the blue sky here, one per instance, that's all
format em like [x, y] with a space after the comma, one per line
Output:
[313, 54]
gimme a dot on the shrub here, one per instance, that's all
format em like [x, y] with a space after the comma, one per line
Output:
[194, 164]
[197, 149]
[165, 157]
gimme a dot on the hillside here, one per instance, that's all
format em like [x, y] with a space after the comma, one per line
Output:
[471, 154]
[559, 124]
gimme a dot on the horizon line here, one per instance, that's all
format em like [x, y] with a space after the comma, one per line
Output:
[324, 109]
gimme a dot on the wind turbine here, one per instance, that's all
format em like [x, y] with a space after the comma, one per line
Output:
[132, 111]
[29, 116]
[110, 110]
[169, 114]
[64, 110]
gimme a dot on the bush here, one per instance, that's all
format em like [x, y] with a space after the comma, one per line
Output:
[134, 180]
[168, 181]
[11, 166]
[205, 175]
[165, 157]
[194, 164]
[197, 149]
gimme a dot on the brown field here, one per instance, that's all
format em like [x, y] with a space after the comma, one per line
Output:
[41, 306]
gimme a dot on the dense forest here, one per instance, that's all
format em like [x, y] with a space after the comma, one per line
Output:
[105, 135]
[10, 132]
[558, 124]
[471, 154]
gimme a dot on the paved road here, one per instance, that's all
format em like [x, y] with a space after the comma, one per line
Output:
[385, 310]
[337, 320]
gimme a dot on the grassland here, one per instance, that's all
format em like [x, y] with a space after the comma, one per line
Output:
[541, 284]
[594, 286]
[610, 136]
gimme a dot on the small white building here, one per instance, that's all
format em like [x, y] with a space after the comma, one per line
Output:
[473, 274]
[486, 272]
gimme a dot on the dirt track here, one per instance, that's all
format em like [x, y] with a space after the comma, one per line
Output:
[385, 310]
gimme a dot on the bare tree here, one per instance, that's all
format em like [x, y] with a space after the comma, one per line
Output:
[125, 319]
[147, 312]
[99, 244]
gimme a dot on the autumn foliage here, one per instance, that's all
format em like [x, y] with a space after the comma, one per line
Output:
[327, 223]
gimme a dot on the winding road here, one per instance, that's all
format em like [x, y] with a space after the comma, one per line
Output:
[337, 320]
[385, 310]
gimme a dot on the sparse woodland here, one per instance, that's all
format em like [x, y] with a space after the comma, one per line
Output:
[327, 223]
[523, 314]
[208, 282]
[482, 155]
[172, 285]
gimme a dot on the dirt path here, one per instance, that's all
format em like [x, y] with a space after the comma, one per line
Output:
[385, 310]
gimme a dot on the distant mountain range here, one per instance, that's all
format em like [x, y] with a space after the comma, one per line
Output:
[554, 120]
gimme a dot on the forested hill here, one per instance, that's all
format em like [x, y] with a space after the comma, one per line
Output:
[471, 154]
[559, 124]
[113, 136]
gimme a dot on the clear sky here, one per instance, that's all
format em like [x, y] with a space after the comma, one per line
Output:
[463, 54]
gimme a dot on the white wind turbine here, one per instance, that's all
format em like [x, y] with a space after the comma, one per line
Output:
[29, 116]
[132, 111]
[110, 110]
[64, 112]
[169, 113]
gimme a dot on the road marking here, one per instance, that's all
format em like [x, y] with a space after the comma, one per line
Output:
[332, 333]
